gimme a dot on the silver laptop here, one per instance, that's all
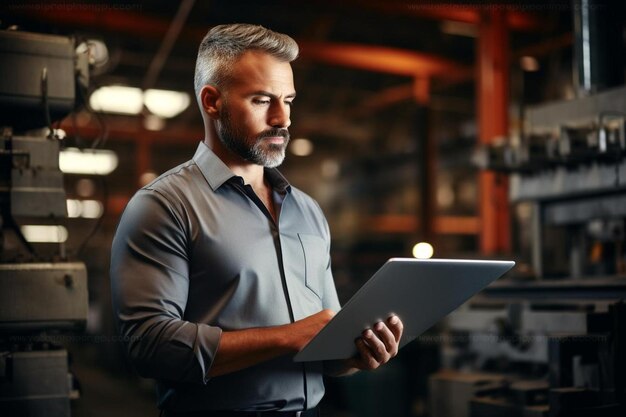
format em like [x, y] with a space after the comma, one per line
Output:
[420, 292]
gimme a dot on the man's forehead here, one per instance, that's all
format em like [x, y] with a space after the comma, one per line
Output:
[262, 70]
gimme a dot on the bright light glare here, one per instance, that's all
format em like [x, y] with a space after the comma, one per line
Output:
[88, 161]
[88, 209]
[44, 234]
[74, 208]
[117, 99]
[165, 103]
[301, 147]
[423, 250]
[92, 209]
[529, 63]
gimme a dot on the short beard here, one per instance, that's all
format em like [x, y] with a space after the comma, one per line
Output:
[255, 150]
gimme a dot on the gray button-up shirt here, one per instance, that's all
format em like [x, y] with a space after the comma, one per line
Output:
[196, 253]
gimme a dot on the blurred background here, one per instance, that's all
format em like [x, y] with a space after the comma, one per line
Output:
[480, 130]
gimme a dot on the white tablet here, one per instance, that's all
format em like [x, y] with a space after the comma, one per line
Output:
[420, 292]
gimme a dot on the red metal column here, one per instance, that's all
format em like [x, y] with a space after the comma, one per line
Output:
[492, 103]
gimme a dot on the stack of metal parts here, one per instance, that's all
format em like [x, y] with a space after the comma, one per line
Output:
[40, 294]
[552, 343]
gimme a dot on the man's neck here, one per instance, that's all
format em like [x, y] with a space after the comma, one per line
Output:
[252, 174]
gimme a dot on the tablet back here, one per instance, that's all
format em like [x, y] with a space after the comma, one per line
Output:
[421, 292]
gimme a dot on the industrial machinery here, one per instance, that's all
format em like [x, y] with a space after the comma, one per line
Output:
[551, 340]
[41, 291]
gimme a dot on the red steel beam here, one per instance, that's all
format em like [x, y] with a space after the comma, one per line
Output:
[515, 18]
[382, 59]
[492, 104]
[110, 20]
[126, 131]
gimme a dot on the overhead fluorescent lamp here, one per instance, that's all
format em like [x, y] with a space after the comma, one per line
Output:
[88, 209]
[117, 99]
[92, 209]
[87, 161]
[44, 234]
[166, 103]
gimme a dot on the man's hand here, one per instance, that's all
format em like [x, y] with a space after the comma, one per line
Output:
[378, 345]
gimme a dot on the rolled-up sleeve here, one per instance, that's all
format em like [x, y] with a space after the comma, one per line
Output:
[150, 284]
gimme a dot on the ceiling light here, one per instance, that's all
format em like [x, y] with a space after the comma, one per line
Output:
[87, 161]
[301, 147]
[92, 209]
[97, 50]
[165, 103]
[147, 177]
[153, 123]
[423, 250]
[117, 99]
[85, 187]
[74, 208]
[529, 63]
[44, 234]
[87, 209]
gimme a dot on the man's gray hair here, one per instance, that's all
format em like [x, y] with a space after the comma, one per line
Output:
[224, 44]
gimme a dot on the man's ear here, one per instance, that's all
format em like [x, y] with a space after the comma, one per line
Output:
[209, 98]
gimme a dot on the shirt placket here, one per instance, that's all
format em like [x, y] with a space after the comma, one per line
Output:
[249, 192]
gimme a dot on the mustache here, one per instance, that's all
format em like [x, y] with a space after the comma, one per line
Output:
[276, 132]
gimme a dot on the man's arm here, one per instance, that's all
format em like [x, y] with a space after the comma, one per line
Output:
[149, 287]
[240, 349]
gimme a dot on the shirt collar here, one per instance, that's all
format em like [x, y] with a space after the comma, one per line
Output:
[277, 180]
[217, 173]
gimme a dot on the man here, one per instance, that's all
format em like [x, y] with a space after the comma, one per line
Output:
[220, 269]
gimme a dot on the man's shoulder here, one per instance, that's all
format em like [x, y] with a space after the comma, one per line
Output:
[307, 202]
[303, 197]
[173, 179]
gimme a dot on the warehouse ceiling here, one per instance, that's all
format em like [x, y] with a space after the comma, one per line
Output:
[333, 76]
[363, 67]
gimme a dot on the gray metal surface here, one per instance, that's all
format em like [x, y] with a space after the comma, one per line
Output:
[33, 186]
[420, 292]
[582, 111]
[43, 296]
[562, 182]
[36, 385]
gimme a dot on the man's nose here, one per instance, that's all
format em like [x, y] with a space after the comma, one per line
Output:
[279, 115]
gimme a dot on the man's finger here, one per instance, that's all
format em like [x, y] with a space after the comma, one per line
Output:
[367, 360]
[378, 348]
[388, 338]
[395, 325]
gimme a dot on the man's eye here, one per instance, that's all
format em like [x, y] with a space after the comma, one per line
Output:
[260, 101]
[289, 103]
